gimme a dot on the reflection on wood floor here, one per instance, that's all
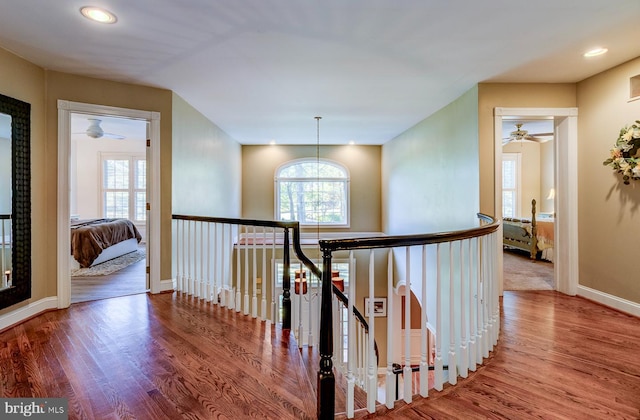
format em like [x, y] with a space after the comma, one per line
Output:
[128, 281]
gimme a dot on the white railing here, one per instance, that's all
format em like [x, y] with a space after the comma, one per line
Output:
[229, 262]
[453, 278]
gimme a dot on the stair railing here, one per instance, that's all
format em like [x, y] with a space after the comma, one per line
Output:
[230, 261]
[457, 282]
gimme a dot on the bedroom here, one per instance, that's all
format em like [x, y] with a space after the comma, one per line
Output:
[108, 206]
[528, 175]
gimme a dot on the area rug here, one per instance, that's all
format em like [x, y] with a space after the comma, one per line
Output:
[111, 266]
[522, 273]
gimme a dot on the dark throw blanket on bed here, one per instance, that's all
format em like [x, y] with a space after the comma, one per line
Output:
[90, 237]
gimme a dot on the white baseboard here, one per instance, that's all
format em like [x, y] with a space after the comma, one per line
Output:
[32, 309]
[627, 306]
[167, 285]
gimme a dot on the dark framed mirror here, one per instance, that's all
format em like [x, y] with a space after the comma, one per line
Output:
[15, 226]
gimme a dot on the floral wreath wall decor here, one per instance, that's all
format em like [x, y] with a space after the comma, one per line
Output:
[624, 159]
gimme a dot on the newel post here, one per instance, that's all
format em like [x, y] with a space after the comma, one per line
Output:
[326, 380]
[286, 284]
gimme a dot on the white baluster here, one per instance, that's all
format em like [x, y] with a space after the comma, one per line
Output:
[438, 363]
[178, 255]
[201, 283]
[351, 340]
[300, 299]
[485, 314]
[223, 279]
[263, 285]
[424, 358]
[254, 297]
[390, 380]
[246, 271]
[453, 377]
[274, 312]
[473, 261]
[238, 299]
[189, 288]
[407, 372]
[464, 355]
[373, 368]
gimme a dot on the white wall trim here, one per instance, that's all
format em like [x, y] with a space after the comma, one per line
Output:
[611, 301]
[167, 285]
[566, 184]
[32, 309]
[65, 109]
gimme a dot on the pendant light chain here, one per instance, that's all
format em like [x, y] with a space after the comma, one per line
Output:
[318, 182]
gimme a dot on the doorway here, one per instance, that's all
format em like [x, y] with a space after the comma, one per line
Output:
[148, 123]
[528, 202]
[108, 184]
[565, 250]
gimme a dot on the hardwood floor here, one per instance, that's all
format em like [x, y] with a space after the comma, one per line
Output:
[128, 281]
[169, 356]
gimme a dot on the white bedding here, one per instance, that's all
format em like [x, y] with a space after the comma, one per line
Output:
[114, 251]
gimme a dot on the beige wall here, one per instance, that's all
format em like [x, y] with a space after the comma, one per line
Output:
[511, 95]
[206, 165]
[259, 164]
[430, 172]
[608, 210]
[25, 81]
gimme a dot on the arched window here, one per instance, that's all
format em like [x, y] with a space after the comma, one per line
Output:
[313, 192]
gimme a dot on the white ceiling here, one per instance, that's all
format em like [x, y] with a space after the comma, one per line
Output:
[263, 69]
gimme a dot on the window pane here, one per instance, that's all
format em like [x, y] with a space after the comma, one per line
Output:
[312, 170]
[313, 192]
[508, 174]
[116, 174]
[141, 174]
[508, 204]
[140, 205]
[116, 204]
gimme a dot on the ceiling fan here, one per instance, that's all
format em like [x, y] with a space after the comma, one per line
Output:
[523, 135]
[95, 131]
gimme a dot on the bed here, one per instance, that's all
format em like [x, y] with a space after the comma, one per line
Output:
[534, 235]
[95, 241]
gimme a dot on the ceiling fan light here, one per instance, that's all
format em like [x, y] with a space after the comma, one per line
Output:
[518, 134]
[94, 130]
[97, 14]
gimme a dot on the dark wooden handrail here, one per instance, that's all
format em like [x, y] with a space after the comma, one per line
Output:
[5, 216]
[333, 245]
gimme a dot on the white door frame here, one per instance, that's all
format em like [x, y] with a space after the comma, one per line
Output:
[565, 251]
[65, 109]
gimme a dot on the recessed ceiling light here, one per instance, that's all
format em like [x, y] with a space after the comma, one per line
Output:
[272, 142]
[98, 15]
[352, 142]
[595, 52]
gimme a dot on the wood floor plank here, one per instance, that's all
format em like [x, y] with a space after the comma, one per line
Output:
[171, 356]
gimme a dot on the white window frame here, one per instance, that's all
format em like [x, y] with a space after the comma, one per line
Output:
[345, 180]
[517, 158]
[132, 158]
